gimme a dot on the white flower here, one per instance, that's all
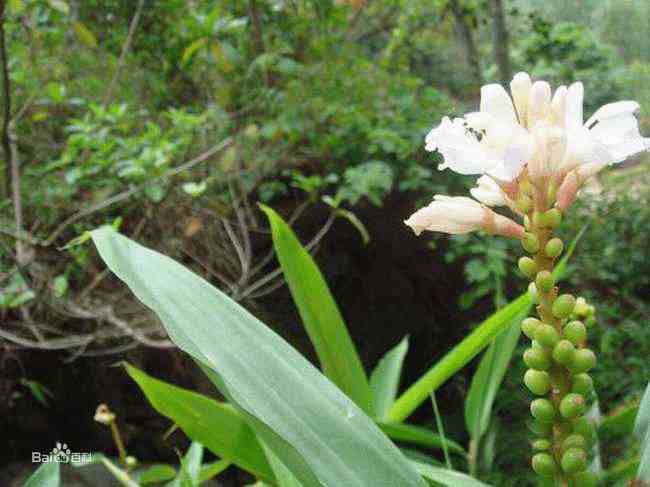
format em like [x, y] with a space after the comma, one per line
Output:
[458, 214]
[488, 192]
[537, 128]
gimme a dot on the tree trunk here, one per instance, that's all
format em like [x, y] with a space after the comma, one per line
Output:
[464, 29]
[501, 41]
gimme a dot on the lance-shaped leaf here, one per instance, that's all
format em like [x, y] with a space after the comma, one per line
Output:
[286, 398]
[320, 314]
[47, 475]
[385, 379]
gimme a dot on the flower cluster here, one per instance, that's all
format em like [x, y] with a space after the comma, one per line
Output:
[531, 149]
[533, 152]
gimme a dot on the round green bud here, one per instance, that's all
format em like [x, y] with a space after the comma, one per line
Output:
[544, 281]
[576, 332]
[131, 461]
[537, 359]
[537, 219]
[563, 306]
[539, 428]
[526, 222]
[581, 308]
[528, 327]
[530, 243]
[582, 384]
[590, 321]
[541, 445]
[544, 465]
[554, 248]
[583, 361]
[542, 410]
[582, 426]
[574, 441]
[572, 406]
[524, 203]
[547, 335]
[528, 267]
[574, 460]
[563, 352]
[552, 218]
[585, 479]
[591, 310]
[537, 381]
[532, 290]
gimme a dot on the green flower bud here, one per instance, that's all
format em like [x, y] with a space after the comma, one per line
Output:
[528, 267]
[530, 243]
[585, 479]
[582, 426]
[541, 445]
[537, 381]
[544, 465]
[537, 359]
[575, 332]
[574, 441]
[537, 219]
[574, 460]
[526, 222]
[131, 462]
[591, 310]
[543, 410]
[552, 218]
[547, 335]
[524, 203]
[554, 247]
[581, 309]
[539, 428]
[532, 290]
[583, 361]
[582, 384]
[563, 306]
[525, 187]
[591, 321]
[572, 406]
[528, 327]
[544, 281]
[563, 352]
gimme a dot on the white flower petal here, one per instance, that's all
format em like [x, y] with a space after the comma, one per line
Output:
[558, 106]
[496, 101]
[625, 107]
[540, 102]
[488, 192]
[574, 110]
[520, 87]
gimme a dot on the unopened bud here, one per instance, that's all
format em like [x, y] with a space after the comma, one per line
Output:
[524, 203]
[581, 308]
[544, 465]
[564, 352]
[545, 430]
[547, 335]
[537, 359]
[104, 415]
[574, 441]
[554, 248]
[572, 406]
[552, 218]
[582, 426]
[574, 460]
[530, 243]
[131, 462]
[563, 306]
[528, 327]
[583, 361]
[541, 445]
[582, 384]
[543, 410]
[528, 267]
[586, 479]
[537, 381]
[576, 332]
[532, 290]
[544, 281]
[590, 321]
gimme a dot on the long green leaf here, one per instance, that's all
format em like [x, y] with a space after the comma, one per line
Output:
[456, 359]
[290, 401]
[487, 378]
[320, 314]
[417, 435]
[384, 380]
[216, 425]
[190, 468]
[468, 348]
[444, 476]
[47, 475]
[642, 431]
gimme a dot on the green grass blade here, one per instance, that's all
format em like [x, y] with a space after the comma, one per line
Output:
[47, 475]
[444, 476]
[320, 315]
[441, 430]
[417, 435]
[214, 424]
[385, 378]
[284, 397]
[642, 431]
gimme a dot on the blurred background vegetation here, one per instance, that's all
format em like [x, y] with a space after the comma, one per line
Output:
[171, 120]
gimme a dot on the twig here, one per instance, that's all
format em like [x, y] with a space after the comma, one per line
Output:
[6, 93]
[125, 49]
